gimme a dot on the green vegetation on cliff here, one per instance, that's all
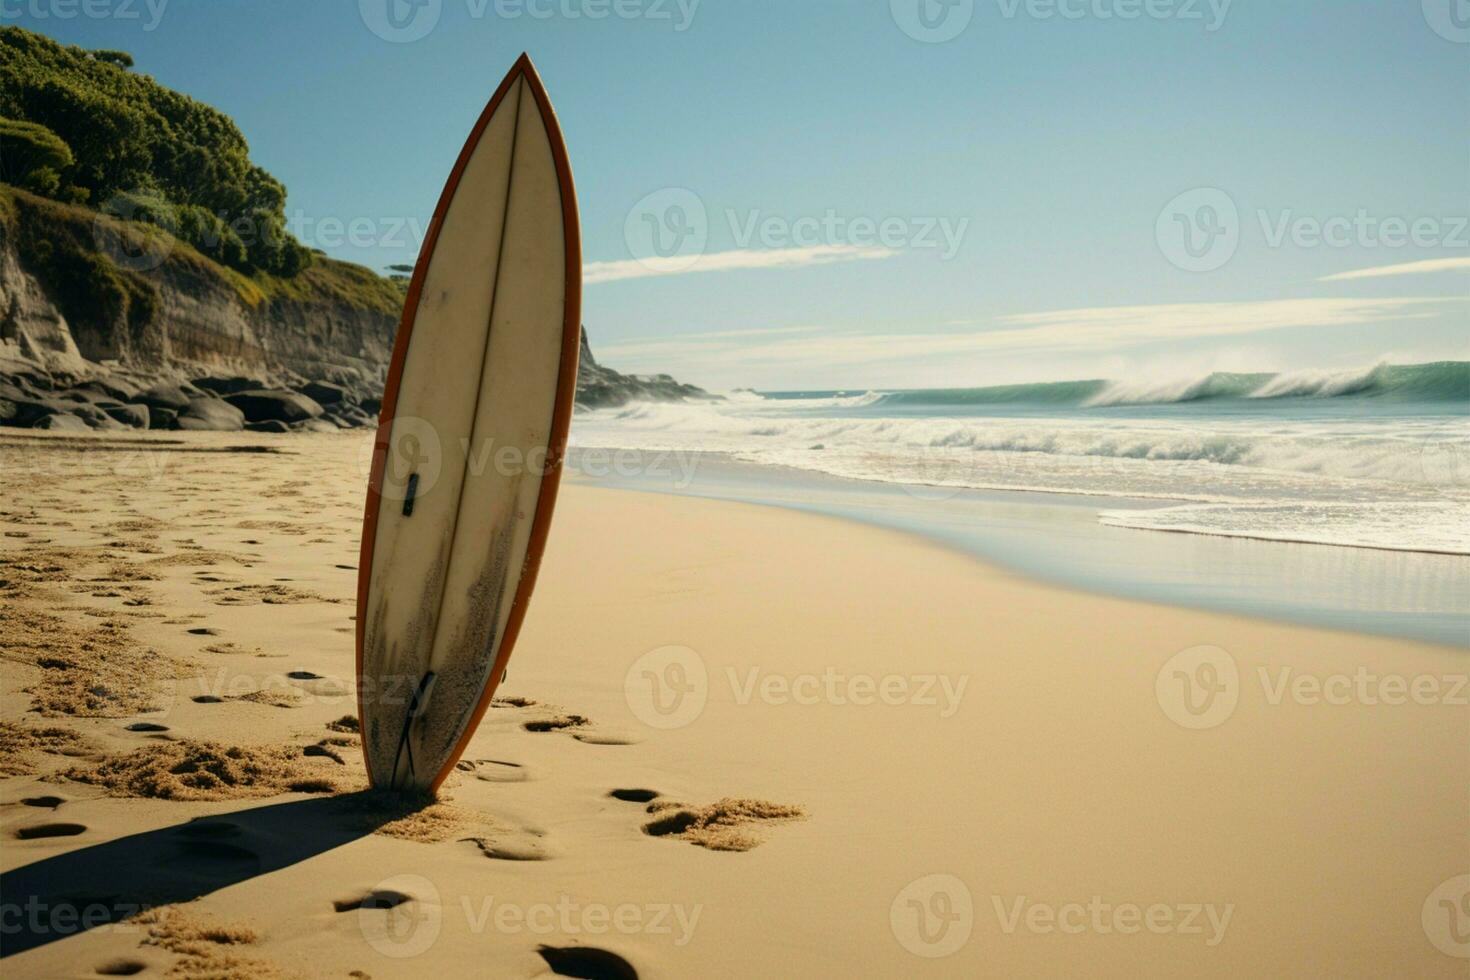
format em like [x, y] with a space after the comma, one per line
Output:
[104, 272]
[79, 126]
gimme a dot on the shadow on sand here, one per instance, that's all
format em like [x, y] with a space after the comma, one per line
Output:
[65, 895]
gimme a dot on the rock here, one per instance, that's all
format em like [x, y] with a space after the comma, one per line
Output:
[326, 393]
[161, 418]
[602, 387]
[61, 422]
[356, 418]
[94, 416]
[315, 425]
[136, 416]
[111, 388]
[226, 386]
[175, 397]
[262, 404]
[372, 406]
[210, 415]
[24, 409]
[269, 425]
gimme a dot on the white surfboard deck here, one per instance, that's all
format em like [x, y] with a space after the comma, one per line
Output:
[470, 441]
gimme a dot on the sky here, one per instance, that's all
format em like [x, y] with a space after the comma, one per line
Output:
[895, 193]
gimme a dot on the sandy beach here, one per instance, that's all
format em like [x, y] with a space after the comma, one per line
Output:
[734, 741]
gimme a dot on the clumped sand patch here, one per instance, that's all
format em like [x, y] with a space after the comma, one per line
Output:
[188, 559]
[270, 595]
[19, 744]
[189, 770]
[347, 723]
[433, 823]
[273, 698]
[209, 950]
[86, 671]
[725, 825]
[407, 816]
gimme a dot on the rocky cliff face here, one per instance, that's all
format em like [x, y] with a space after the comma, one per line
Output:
[202, 319]
[602, 387]
[113, 331]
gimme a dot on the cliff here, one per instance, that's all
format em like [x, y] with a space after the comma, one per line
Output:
[602, 387]
[117, 323]
[82, 295]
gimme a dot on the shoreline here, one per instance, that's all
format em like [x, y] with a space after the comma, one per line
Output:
[1411, 594]
[892, 727]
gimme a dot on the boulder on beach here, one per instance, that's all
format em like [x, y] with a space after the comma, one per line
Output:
[161, 418]
[326, 393]
[227, 386]
[136, 416]
[25, 407]
[264, 404]
[111, 388]
[315, 425]
[210, 415]
[269, 425]
[62, 422]
[176, 397]
[93, 416]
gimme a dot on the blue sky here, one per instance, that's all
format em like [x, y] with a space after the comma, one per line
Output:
[860, 200]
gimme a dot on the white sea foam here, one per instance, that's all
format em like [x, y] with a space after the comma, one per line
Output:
[1390, 481]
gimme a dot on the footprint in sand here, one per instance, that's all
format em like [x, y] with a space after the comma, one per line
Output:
[212, 840]
[45, 802]
[204, 631]
[317, 684]
[604, 738]
[634, 795]
[146, 726]
[587, 961]
[208, 699]
[208, 829]
[519, 848]
[377, 898]
[38, 831]
[557, 724]
[494, 771]
[121, 968]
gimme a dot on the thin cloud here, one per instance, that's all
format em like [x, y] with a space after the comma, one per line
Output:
[1403, 269]
[745, 258]
[1080, 331]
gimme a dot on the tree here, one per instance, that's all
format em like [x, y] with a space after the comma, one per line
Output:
[26, 147]
[129, 137]
[119, 58]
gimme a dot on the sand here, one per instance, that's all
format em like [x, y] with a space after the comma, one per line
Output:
[735, 741]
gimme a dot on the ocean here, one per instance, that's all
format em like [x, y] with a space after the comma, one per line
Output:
[1375, 459]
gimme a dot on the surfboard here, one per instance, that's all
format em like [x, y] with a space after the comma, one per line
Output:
[471, 435]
